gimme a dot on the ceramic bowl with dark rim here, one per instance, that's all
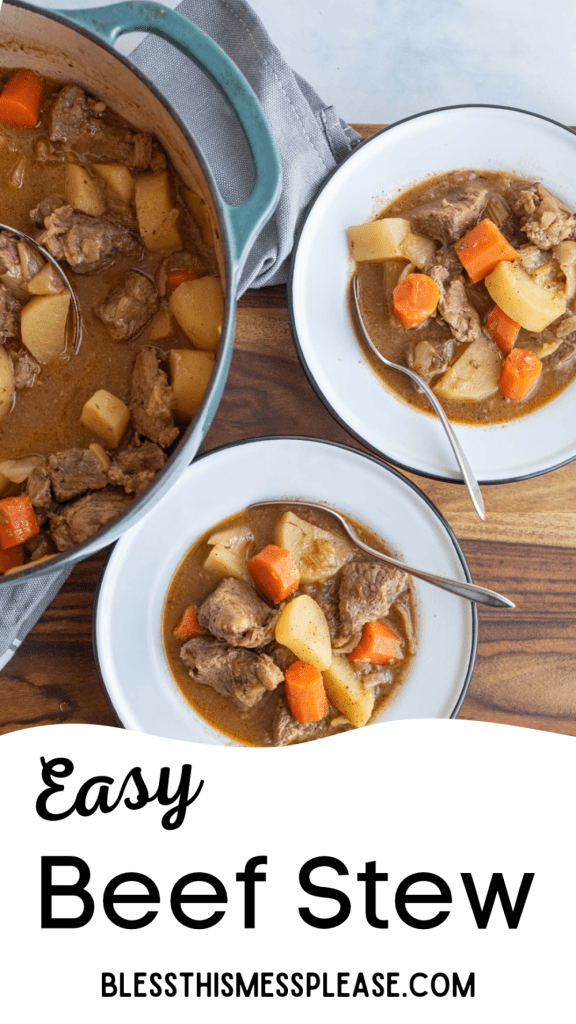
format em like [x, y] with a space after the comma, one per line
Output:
[385, 165]
[129, 607]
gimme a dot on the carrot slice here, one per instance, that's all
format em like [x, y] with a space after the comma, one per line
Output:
[482, 249]
[178, 277]
[17, 521]
[275, 572]
[20, 99]
[11, 558]
[520, 372]
[503, 329]
[415, 299]
[305, 692]
[378, 644]
[188, 627]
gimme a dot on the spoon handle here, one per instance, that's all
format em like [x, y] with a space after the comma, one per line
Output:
[465, 467]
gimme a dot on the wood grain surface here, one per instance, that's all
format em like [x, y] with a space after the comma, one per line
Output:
[525, 672]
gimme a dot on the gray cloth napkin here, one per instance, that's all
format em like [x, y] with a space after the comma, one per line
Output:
[311, 140]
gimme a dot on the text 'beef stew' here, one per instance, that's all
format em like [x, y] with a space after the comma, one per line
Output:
[279, 630]
[470, 279]
[82, 433]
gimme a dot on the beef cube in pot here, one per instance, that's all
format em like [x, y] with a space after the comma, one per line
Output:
[26, 369]
[429, 358]
[135, 467]
[232, 671]
[544, 219]
[450, 217]
[86, 243]
[78, 520]
[45, 208]
[286, 730]
[454, 306]
[75, 471]
[77, 122]
[39, 489]
[367, 592]
[152, 399]
[9, 314]
[234, 612]
[129, 306]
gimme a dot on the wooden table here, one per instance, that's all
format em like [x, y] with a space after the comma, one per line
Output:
[526, 667]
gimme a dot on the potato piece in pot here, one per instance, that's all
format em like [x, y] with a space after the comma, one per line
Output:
[157, 215]
[107, 416]
[199, 309]
[378, 240]
[474, 375]
[303, 629]
[82, 192]
[43, 326]
[346, 692]
[229, 553]
[6, 383]
[118, 178]
[317, 553]
[162, 327]
[46, 282]
[530, 304]
[189, 375]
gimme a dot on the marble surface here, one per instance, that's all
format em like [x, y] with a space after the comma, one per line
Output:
[380, 60]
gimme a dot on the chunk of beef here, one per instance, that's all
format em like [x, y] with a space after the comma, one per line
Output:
[39, 546]
[280, 655]
[544, 218]
[86, 243]
[10, 308]
[564, 354]
[75, 471]
[19, 262]
[232, 671]
[129, 306]
[326, 595]
[429, 358]
[449, 218]
[26, 369]
[39, 489]
[286, 730]
[83, 125]
[135, 467]
[402, 607]
[152, 399]
[45, 208]
[77, 521]
[454, 306]
[367, 592]
[374, 677]
[234, 612]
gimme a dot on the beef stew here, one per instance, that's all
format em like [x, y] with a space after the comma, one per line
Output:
[501, 338]
[82, 434]
[338, 638]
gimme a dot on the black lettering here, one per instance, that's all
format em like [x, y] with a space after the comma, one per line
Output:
[156, 988]
[250, 876]
[325, 993]
[371, 877]
[78, 888]
[440, 984]
[413, 989]
[469, 988]
[170, 989]
[392, 983]
[227, 989]
[218, 896]
[111, 898]
[498, 888]
[342, 980]
[108, 985]
[265, 982]
[312, 983]
[281, 981]
[402, 898]
[142, 795]
[297, 989]
[187, 975]
[49, 773]
[360, 987]
[204, 984]
[324, 893]
[251, 989]
[139, 981]
[123, 993]
[174, 818]
[377, 980]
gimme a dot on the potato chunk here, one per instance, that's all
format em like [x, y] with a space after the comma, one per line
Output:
[303, 629]
[161, 327]
[199, 309]
[378, 240]
[345, 691]
[189, 375]
[317, 553]
[157, 215]
[6, 385]
[229, 553]
[46, 282]
[106, 416]
[474, 375]
[530, 304]
[82, 192]
[43, 325]
[118, 178]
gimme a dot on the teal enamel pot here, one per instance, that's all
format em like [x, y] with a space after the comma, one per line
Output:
[77, 46]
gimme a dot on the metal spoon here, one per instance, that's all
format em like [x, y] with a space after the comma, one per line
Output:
[75, 307]
[468, 590]
[465, 468]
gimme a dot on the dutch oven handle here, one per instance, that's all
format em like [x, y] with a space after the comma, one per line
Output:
[246, 221]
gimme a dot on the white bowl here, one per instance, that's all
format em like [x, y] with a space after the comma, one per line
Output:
[128, 627]
[437, 141]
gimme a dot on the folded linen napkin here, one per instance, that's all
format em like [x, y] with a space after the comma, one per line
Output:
[311, 140]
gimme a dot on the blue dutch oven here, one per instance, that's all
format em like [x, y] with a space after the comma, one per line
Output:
[77, 46]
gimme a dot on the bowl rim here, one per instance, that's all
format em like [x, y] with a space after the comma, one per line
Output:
[406, 467]
[350, 451]
[196, 430]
